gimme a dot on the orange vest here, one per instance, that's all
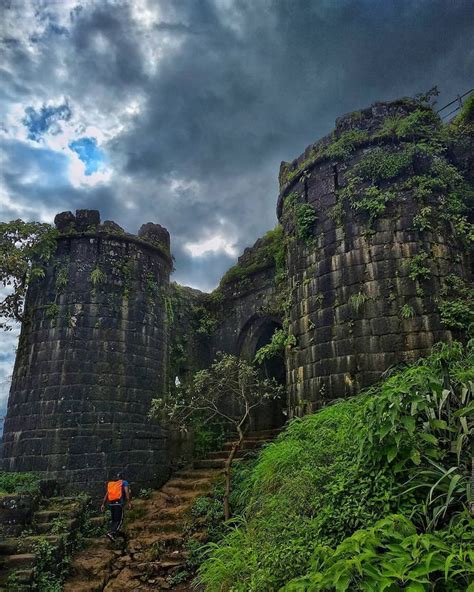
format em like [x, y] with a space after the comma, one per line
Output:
[114, 491]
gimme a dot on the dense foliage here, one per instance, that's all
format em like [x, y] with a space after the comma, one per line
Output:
[268, 251]
[24, 248]
[19, 483]
[367, 494]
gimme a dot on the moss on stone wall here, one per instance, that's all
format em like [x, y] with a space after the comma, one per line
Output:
[267, 252]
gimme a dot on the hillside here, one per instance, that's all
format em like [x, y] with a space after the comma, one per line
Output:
[367, 494]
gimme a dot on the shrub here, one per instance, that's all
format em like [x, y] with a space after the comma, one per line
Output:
[19, 483]
[390, 556]
[312, 505]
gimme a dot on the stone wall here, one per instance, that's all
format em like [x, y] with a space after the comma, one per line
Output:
[247, 311]
[365, 276]
[92, 354]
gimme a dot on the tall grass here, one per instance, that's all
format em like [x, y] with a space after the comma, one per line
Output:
[401, 448]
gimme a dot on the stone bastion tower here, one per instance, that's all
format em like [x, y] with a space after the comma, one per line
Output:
[91, 356]
[374, 216]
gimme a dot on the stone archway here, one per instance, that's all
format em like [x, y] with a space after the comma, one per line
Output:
[256, 333]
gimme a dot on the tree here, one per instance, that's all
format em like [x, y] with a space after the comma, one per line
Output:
[24, 249]
[231, 389]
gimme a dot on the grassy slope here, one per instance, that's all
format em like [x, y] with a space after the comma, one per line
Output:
[340, 471]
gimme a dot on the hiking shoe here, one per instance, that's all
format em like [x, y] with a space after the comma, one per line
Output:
[110, 536]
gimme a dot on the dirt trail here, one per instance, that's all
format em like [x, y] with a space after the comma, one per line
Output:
[153, 553]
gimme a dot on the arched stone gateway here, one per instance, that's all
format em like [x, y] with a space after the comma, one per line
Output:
[257, 333]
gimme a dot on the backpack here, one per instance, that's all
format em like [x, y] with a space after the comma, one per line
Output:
[114, 491]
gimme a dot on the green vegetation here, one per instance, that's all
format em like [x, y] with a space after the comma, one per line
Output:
[208, 437]
[368, 494]
[204, 321]
[357, 301]
[279, 342]
[407, 311]
[52, 310]
[227, 379]
[269, 251]
[420, 123]
[389, 556]
[417, 268]
[456, 304]
[49, 572]
[97, 277]
[19, 483]
[466, 115]
[302, 216]
[341, 148]
[25, 248]
[62, 278]
[444, 182]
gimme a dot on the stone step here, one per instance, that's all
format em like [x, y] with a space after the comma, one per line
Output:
[224, 454]
[13, 546]
[184, 494]
[211, 463]
[273, 433]
[43, 516]
[190, 473]
[165, 525]
[187, 484]
[18, 561]
[247, 444]
[23, 580]
[45, 527]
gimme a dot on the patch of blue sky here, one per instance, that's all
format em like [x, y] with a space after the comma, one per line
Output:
[89, 153]
[45, 120]
[47, 168]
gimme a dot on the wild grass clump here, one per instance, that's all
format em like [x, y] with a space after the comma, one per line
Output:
[366, 494]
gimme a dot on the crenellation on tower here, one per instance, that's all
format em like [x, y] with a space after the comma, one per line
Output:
[372, 241]
[92, 355]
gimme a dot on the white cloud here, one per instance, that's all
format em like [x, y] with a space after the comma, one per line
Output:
[215, 244]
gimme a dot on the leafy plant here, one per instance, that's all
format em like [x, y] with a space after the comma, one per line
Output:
[407, 311]
[52, 310]
[456, 304]
[19, 483]
[97, 277]
[25, 248]
[389, 556]
[302, 217]
[356, 301]
[417, 268]
[145, 493]
[62, 279]
[279, 342]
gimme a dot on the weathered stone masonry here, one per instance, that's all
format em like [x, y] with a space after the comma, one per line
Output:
[91, 357]
[105, 332]
[350, 282]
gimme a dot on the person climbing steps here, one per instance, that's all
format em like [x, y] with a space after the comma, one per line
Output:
[116, 495]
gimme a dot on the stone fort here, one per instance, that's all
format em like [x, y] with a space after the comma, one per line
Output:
[369, 251]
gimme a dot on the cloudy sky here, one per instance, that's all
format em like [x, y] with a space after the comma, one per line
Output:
[180, 111]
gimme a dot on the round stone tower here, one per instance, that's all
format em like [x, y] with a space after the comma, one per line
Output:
[91, 356]
[375, 220]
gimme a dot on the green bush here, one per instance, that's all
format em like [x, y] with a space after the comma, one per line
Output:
[391, 556]
[399, 448]
[19, 483]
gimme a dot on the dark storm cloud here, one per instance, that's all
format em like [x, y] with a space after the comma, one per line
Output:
[226, 91]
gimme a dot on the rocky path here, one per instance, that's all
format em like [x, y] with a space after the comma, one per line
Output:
[153, 557]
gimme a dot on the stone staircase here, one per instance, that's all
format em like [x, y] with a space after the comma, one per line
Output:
[54, 522]
[153, 556]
